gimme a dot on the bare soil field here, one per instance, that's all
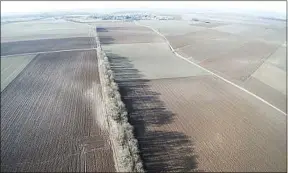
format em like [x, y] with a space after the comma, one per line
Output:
[242, 62]
[135, 34]
[220, 46]
[212, 47]
[267, 92]
[272, 76]
[31, 46]
[235, 51]
[230, 130]
[11, 67]
[178, 41]
[279, 58]
[128, 39]
[42, 29]
[48, 117]
[200, 123]
[124, 30]
[172, 27]
[203, 49]
[266, 34]
[153, 60]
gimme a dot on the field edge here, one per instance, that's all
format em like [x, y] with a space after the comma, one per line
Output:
[124, 144]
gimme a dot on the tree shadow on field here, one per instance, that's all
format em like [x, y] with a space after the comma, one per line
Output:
[103, 37]
[101, 29]
[161, 151]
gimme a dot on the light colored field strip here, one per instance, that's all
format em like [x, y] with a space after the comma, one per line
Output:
[67, 50]
[2, 71]
[243, 89]
[15, 71]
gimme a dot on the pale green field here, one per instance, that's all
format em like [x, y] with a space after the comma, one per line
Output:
[42, 29]
[11, 67]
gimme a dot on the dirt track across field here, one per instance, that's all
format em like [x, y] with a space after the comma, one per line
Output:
[48, 117]
[195, 122]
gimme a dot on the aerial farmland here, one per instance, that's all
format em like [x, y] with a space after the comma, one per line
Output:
[186, 118]
[238, 51]
[191, 93]
[49, 98]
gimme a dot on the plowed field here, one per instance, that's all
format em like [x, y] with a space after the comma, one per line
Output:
[194, 121]
[48, 117]
[31, 46]
[200, 123]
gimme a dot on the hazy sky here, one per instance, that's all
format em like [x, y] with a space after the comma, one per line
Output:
[43, 6]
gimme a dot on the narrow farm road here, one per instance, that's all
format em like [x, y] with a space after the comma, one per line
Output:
[220, 77]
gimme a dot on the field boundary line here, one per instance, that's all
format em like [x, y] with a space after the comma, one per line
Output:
[35, 39]
[220, 77]
[265, 60]
[32, 53]
[124, 144]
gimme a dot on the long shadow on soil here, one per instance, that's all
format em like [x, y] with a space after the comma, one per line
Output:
[100, 29]
[104, 39]
[160, 150]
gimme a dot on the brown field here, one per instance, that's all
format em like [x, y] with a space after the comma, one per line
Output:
[279, 58]
[274, 96]
[207, 49]
[200, 123]
[123, 39]
[150, 63]
[48, 117]
[178, 41]
[197, 122]
[229, 55]
[273, 33]
[126, 34]
[184, 118]
[124, 31]
[242, 62]
[238, 51]
[30, 46]
[229, 130]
